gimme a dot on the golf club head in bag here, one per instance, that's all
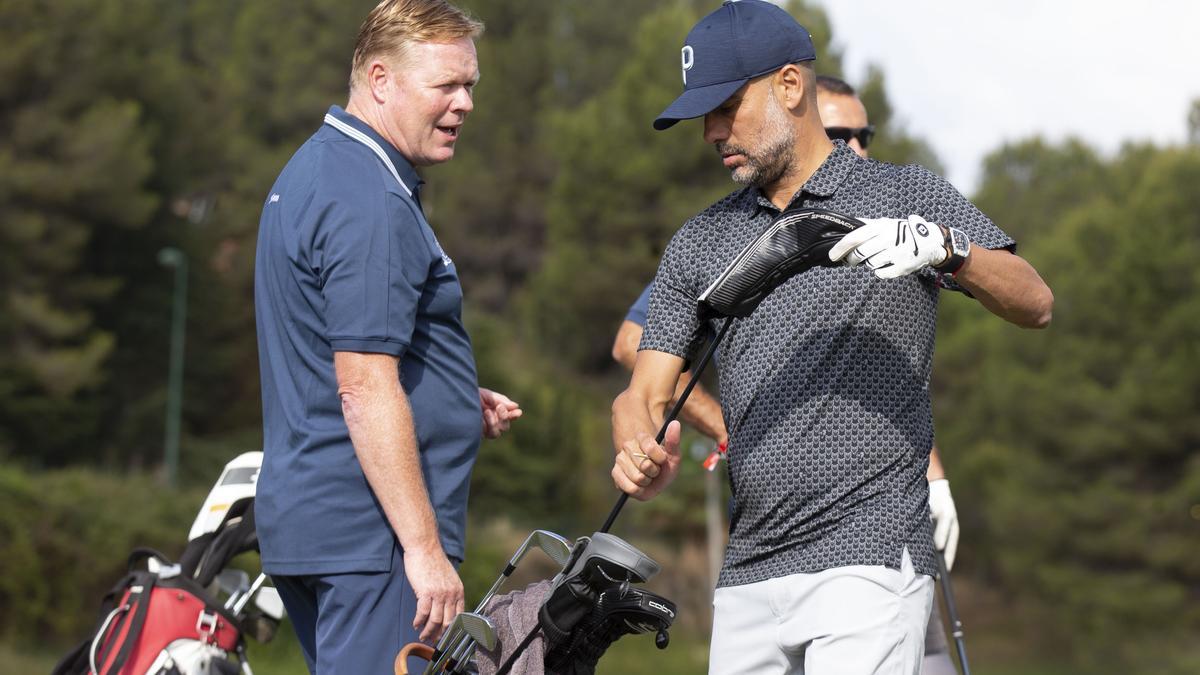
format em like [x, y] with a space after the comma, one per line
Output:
[237, 481]
[469, 630]
[601, 564]
[553, 545]
[797, 240]
[620, 611]
[454, 650]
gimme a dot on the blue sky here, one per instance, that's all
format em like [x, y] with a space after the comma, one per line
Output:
[969, 75]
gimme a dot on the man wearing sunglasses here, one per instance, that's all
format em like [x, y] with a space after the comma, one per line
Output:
[843, 114]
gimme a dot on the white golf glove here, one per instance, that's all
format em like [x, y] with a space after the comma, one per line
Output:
[892, 247]
[945, 519]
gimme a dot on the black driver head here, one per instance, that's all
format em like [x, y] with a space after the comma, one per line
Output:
[797, 240]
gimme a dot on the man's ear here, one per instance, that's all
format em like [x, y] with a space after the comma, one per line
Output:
[791, 87]
[378, 78]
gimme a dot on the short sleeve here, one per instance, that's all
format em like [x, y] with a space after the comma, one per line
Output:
[637, 311]
[674, 321]
[375, 264]
[940, 202]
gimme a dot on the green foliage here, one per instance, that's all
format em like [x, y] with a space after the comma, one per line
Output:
[1081, 448]
[1029, 186]
[627, 190]
[1073, 452]
[64, 540]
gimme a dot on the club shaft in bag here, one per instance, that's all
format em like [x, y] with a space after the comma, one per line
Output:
[956, 627]
[662, 432]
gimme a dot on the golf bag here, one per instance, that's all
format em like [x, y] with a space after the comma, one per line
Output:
[157, 622]
[165, 618]
[594, 602]
[590, 604]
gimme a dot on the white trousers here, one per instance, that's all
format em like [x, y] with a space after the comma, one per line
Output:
[857, 620]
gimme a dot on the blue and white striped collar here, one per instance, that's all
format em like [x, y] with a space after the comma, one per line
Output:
[360, 131]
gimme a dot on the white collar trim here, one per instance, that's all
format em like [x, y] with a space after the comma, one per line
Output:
[366, 140]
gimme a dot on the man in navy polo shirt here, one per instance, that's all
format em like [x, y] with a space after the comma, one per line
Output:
[372, 413]
[825, 386]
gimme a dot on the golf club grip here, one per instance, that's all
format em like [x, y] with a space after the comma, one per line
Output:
[662, 431]
[956, 627]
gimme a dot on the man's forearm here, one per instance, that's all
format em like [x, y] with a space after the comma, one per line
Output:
[701, 410]
[1007, 286]
[633, 413]
[381, 428]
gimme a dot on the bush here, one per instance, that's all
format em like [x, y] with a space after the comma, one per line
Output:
[65, 537]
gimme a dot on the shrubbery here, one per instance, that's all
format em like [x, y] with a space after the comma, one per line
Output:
[65, 537]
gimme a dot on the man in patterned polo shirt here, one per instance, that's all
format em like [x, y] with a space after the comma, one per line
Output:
[830, 559]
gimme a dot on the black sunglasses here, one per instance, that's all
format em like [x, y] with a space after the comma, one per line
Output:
[863, 134]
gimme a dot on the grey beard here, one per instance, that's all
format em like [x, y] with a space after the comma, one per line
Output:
[776, 158]
[769, 167]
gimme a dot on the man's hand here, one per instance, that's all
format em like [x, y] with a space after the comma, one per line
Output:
[643, 468]
[945, 518]
[498, 412]
[892, 247]
[438, 589]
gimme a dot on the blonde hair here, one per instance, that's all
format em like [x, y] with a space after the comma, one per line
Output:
[394, 24]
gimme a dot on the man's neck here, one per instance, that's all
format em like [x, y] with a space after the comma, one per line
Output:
[370, 114]
[811, 151]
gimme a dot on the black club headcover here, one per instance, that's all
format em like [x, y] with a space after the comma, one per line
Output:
[797, 240]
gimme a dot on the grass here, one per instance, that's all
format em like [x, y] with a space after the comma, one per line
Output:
[632, 655]
[17, 660]
[998, 641]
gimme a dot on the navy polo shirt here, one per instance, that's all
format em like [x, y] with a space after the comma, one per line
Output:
[347, 262]
[637, 311]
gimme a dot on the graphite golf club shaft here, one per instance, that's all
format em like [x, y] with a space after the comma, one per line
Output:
[956, 627]
[662, 432]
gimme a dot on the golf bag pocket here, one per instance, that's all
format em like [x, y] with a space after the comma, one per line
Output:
[156, 625]
[624, 610]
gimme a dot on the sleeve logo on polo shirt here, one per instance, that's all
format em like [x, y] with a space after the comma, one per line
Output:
[273, 198]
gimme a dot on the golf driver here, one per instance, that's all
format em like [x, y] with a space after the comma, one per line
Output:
[797, 240]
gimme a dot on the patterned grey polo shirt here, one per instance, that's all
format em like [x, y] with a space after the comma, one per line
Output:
[825, 387]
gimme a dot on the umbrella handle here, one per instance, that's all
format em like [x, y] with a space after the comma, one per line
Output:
[418, 649]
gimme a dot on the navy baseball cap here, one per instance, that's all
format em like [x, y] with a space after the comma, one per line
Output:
[728, 48]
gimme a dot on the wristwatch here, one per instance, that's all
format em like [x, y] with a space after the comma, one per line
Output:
[958, 247]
